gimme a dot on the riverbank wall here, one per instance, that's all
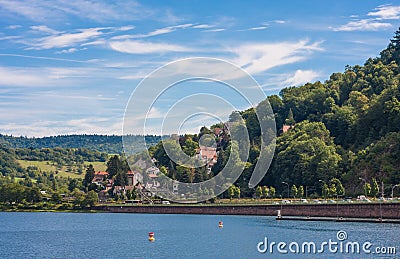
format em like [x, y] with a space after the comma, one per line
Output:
[370, 210]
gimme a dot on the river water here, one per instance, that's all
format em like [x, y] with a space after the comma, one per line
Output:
[114, 235]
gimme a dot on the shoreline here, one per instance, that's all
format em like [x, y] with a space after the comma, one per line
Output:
[367, 213]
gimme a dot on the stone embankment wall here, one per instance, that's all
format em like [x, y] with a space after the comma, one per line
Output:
[370, 210]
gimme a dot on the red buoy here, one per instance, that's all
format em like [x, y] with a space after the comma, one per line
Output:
[151, 236]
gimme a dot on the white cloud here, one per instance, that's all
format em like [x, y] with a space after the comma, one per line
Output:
[10, 37]
[140, 47]
[280, 21]
[256, 28]
[214, 30]
[126, 28]
[154, 113]
[383, 12]
[363, 25]
[259, 57]
[301, 77]
[54, 127]
[70, 50]
[21, 77]
[101, 11]
[64, 40]
[386, 12]
[44, 28]
[202, 26]
[156, 32]
[13, 27]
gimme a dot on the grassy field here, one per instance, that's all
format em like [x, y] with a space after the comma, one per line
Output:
[64, 171]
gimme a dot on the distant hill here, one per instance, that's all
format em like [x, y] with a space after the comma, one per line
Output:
[102, 143]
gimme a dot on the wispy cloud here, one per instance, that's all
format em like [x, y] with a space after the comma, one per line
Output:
[63, 40]
[259, 57]
[56, 127]
[21, 77]
[256, 28]
[215, 30]
[13, 27]
[70, 50]
[165, 30]
[141, 47]
[363, 25]
[100, 11]
[10, 37]
[386, 12]
[44, 58]
[301, 77]
[375, 23]
[44, 28]
[202, 26]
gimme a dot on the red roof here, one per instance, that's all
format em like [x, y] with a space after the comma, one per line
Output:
[101, 173]
[286, 128]
[208, 152]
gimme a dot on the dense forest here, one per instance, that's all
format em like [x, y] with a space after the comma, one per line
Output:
[343, 132]
[102, 143]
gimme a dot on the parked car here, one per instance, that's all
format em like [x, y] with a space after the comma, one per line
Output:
[285, 201]
[303, 201]
[317, 201]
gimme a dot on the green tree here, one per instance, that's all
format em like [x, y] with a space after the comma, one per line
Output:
[128, 194]
[300, 191]
[367, 189]
[339, 186]
[231, 191]
[272, 191]
[56, 197]
[237, 192]
[259, 192]
[89, 175]
[33, 194]
[304, 155]
[79, 198]
[265, 191]
[114, 166]
[294, 191]
[290, 119]
[332, 190]
[374, 188]
[91, 199]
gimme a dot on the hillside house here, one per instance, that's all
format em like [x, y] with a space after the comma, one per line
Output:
[209, 155]
[99, 178]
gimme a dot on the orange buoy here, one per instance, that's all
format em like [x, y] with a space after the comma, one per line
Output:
[220, 224]
[151, 236]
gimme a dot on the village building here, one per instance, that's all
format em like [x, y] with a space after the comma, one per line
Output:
[209, 155]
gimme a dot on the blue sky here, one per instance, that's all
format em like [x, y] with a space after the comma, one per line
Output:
[70, 66]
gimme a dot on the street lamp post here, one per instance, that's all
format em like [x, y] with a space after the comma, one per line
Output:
[394, 186]
[323, 182]
[288, 191]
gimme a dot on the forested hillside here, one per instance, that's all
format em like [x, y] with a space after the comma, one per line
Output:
[343, 129]
[102, 143]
